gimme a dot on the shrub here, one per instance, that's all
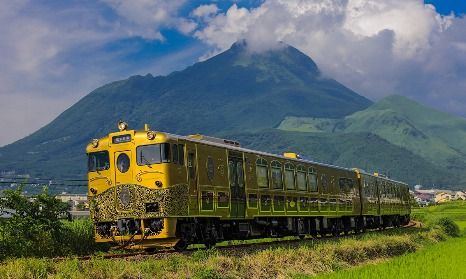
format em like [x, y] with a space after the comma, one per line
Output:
[34, 228]
[447, 225]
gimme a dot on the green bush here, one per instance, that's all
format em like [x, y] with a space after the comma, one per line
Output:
[447, 225]
[36, 228]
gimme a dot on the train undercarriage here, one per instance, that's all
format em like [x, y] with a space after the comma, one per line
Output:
[209, 231]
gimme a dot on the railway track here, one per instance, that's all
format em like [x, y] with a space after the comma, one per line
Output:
[233, 248]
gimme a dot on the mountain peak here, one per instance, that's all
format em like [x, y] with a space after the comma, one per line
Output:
[271, 60]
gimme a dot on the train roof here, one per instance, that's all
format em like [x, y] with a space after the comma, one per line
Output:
[378, 176]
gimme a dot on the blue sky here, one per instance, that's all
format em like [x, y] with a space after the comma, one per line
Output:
[55, 52]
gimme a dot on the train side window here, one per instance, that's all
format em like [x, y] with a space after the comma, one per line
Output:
[261, 173]
[324, 183]
[165, 151]
[175, 153]
[346, 184]
[301, 178]
[350, 183]
[239, 173]
[153, 154]
[312, 180]
[252, 201]
[276, 173]
[191, 167]
[289, 176]
[181, 154]
[342, 184]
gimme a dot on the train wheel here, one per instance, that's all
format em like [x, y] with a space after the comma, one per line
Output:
[210, 243]
[181, 245]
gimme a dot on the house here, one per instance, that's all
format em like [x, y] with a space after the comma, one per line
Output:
[460, 195]
[444, 196]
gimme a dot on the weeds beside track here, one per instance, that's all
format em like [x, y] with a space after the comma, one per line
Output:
[269, 260]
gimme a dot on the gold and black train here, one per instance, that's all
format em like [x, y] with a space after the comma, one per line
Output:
[150, 189]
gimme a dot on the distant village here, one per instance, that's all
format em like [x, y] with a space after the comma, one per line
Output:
[425, 197]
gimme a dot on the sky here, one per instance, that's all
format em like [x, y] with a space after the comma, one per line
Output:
[53, 53]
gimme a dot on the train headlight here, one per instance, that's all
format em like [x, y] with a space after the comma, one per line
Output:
[95, 143]
[122, 126]
[150, 135]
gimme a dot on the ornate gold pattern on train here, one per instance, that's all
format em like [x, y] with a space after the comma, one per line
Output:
[141, 173]
[108, 181]
[129, 200]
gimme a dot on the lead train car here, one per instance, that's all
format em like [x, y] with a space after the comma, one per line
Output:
[150, 189]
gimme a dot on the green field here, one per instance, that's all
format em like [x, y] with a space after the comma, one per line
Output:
[443, 260]
[454, 210]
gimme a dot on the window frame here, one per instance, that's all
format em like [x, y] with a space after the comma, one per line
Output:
[162, 161]
[181, 154]
[311, 172]
[289, 167]
[276, 165]
[95, 169]
[302, 170]
[175, 153]
[262, 163]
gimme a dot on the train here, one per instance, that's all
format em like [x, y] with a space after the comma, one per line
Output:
[150, 189]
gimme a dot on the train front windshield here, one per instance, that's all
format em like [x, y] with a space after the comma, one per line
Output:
[98, 161]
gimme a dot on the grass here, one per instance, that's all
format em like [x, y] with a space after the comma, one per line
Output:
[454, 210]
[283, 260]
[443, 260]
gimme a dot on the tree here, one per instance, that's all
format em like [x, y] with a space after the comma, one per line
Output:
[34, 228]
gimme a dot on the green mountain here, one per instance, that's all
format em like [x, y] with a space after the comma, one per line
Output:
[430, 136]
[233, 92]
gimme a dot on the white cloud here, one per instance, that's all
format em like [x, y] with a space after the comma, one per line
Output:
[52, 55]
[145, 18]
[205, 10]
[377, 48]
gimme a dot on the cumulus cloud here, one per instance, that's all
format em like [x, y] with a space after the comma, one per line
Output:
[145, 18]
[52, 55]
[205, 10]
[377, 48]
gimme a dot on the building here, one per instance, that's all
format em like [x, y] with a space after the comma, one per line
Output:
[75, 201]
[443, 196]
[460, 195]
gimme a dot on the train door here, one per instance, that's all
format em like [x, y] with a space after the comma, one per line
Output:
[191, 165]
[236, 178]
[123, 175]
[123, 170]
